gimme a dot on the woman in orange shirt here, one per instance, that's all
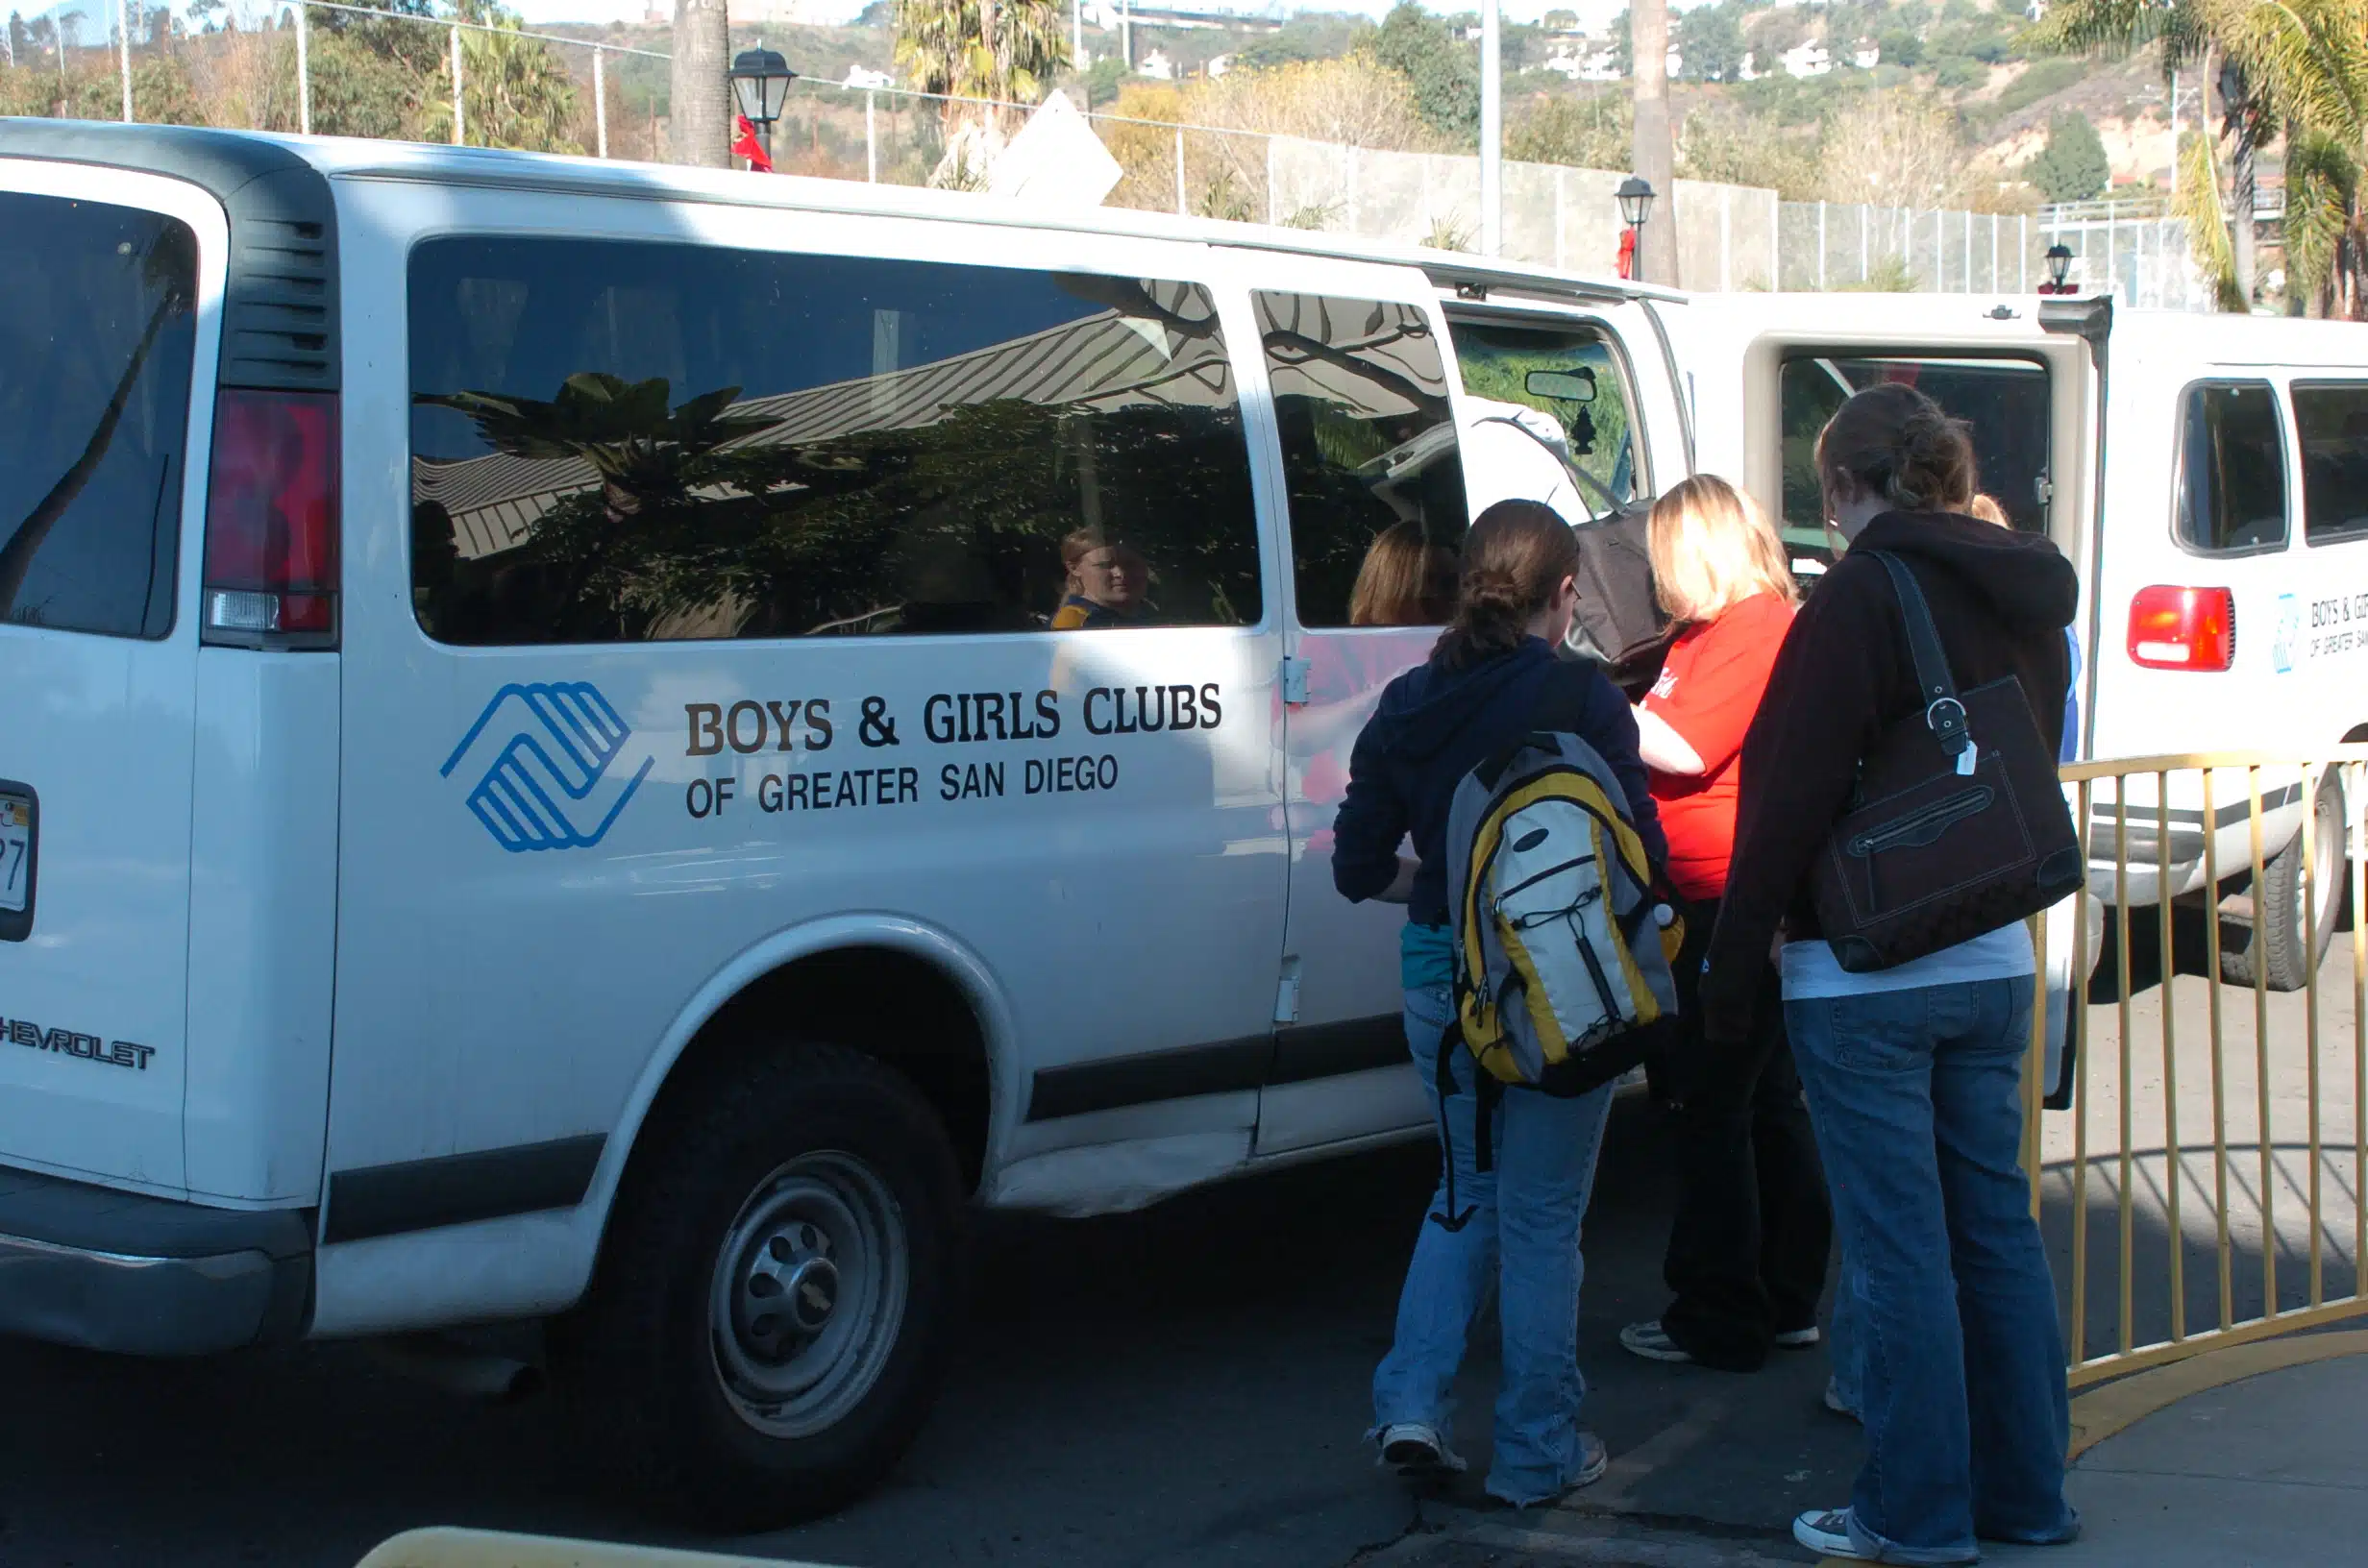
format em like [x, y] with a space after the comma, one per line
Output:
[1747, 1251]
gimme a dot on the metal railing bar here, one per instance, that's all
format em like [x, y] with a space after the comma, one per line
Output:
[2170, 1054]
[2262, 1133]
[2219, 1060]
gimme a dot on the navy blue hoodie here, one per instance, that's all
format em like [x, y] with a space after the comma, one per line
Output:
[1434, 725]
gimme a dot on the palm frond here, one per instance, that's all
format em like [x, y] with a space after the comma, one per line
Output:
[2322, 178]
[2208, 230]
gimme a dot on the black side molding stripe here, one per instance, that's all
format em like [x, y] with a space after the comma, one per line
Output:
[1290, 1056]
[1328, 1050]
[458, 1188]
[1220, 1068]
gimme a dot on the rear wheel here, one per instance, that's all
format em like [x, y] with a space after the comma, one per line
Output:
[2285, 936]
[767, 1327]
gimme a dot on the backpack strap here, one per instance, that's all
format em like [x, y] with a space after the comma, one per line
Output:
[1936, 686]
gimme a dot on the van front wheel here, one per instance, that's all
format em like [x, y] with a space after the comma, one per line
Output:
[766, 1329]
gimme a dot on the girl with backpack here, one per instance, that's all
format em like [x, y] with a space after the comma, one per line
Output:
[1747, 1249]
[1491, 671]
[1911, 1070]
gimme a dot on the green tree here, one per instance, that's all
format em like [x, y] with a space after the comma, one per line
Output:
[515, 91]
[1710, 40]
[1444, 73]
[1592, 132]
[2072, 167]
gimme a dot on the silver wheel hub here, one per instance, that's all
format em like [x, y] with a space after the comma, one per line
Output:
[809, 1294]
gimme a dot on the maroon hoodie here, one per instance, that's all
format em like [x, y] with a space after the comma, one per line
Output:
[2001, 601]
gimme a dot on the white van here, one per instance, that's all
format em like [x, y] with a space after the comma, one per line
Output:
[612, 745]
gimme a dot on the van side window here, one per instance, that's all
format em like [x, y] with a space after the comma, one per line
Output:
[2333, 417]
[2231, 470]
[618, 441]
[1368, 440]
[98, 317]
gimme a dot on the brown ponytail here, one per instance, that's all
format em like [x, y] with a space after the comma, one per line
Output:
[1893, 442]
[1514, 557]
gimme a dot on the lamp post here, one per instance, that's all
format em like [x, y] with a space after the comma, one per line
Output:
[2059, 270]
[1636, 204]
[760, 80]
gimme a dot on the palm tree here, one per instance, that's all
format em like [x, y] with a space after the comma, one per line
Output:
[2299, 67]
[701, 129]
[515, 92]
[1001, 50]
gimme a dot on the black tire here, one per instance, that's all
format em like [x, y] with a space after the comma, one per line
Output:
[2277, 932]
[673, 1405]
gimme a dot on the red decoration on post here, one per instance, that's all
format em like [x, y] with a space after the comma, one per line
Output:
[1627, 253]
[745, 145]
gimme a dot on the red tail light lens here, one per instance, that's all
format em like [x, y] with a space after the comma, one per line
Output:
[271, 520]
[2183, 628]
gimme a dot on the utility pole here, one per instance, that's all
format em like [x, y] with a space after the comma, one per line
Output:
[1655, 160]
[1491, 130]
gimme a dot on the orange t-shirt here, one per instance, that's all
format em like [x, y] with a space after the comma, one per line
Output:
[1708, 688]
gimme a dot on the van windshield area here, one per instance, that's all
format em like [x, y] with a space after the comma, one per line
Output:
[1570, 376]
[97, 335]
[618, 441]
[2003, 401]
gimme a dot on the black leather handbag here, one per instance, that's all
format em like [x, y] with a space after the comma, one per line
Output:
[1958, 825]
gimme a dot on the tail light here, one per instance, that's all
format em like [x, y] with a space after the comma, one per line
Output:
[2183, 628]
[271, 520]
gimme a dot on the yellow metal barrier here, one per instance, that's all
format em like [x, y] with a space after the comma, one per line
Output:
[2133, 1112]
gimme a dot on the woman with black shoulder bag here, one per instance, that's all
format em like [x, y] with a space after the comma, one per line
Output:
[1898, 818]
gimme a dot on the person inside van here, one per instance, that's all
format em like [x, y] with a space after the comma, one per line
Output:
[1519, 1220]
[1911, 1071]
[1747, 1250]
[1107, 584]
[1405, 580]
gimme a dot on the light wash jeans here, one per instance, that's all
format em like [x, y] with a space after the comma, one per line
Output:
[1523, 1228]
[1949, 1314]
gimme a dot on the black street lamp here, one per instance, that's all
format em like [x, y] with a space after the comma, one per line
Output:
[760, 80]
[1636, 204]
[2059, 269]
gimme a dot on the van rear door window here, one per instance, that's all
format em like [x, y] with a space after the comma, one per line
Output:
[2333, 417]
[2003, 402]
[97, 335]
[2231, 470]
[618, 441]
[1369, 437]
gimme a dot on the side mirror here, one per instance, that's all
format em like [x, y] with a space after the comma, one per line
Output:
[1569, 386]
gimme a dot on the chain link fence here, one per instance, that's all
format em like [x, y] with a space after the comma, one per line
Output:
[1729, 238]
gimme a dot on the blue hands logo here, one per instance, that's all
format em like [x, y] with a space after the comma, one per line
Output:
[552, 775]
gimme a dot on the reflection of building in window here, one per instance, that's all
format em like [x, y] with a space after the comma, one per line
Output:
[918, 496]
[1361, 403]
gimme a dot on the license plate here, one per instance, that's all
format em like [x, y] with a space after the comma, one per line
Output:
[15, 852]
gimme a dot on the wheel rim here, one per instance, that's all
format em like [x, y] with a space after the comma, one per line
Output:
[2328, 872]
[809, 1294]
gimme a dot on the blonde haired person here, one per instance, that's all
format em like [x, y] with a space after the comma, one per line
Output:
[1745, 1263]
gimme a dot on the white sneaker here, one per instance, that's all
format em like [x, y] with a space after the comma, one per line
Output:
[1798, 1339]
[1826, 1531]
[1652, 1341]
[1835, 1402]
[1413, 1448]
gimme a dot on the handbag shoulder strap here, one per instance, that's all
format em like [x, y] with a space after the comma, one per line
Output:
[1936, 686]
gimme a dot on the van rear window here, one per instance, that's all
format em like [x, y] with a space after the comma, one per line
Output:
[620, 441]
[97, 332]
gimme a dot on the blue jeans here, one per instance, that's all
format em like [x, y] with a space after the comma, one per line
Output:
[1523, 1229]
[1917, 1099]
